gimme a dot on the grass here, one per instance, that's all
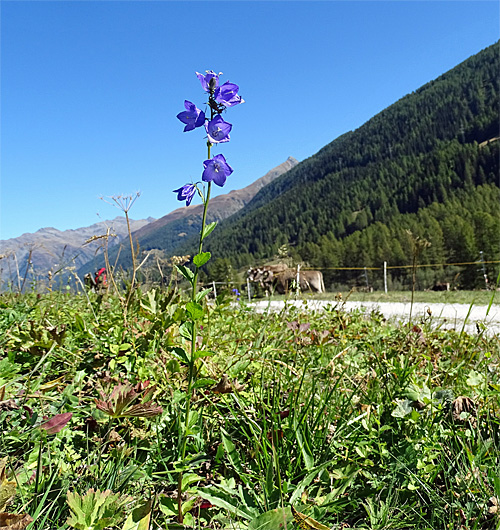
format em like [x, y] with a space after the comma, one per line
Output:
[353, 421]
[427, 297]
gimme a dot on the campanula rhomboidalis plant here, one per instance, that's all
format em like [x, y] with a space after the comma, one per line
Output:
[216, 169]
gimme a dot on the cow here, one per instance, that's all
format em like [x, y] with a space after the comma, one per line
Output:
[280, 278]
[266, 275]
[308, 280]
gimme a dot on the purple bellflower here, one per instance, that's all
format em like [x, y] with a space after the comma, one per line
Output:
[216, 169]
[218, 130]
[186, 193]
[192, 116]
[209, 81]
[237, 294]
[227, 94]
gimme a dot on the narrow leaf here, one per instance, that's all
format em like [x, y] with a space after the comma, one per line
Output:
[232, 454]
[187, 273]
[202, 294]
[307, 523]
[304, 448]
[208, 230]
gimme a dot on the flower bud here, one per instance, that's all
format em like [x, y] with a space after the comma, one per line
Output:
[212, 84]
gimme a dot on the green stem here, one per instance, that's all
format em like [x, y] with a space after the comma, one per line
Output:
[180, 516]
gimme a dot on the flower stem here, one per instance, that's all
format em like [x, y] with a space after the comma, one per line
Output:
[192, 360]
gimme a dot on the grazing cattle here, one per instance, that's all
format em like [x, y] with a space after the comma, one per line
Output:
[266, 275]
[308, 280]
[280, 278]
[441, 286]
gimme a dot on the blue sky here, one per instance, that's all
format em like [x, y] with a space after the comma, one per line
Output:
[90, 90]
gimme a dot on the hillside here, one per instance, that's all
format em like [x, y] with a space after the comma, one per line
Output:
[170, 231]
[53, 250]
[420, 159]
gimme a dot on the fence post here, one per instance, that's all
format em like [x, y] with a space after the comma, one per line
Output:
[248, 290]
[385, 277]
[485, 275]
[298, 280]
[215, 290]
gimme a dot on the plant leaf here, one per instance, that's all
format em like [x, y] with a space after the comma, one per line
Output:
[201, 259]
[194, 310]
[203, 353]
[200, 383]
[187, 273]
[225, 501]
[139, 519]
[307, 523]
[231, 452]
[208, 230]
[304, 447]
[199, 296]
[185, 330]
[57, 423]
[180, 354]
[272, 520]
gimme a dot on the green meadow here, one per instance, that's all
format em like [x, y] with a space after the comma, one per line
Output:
[107, 422]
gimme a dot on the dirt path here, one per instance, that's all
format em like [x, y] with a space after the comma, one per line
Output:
[449, 316]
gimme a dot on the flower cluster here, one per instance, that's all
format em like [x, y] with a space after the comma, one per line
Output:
[220, 97]
[236, 293]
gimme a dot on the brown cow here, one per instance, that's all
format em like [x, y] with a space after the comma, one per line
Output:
[266, 275]
[308, 280]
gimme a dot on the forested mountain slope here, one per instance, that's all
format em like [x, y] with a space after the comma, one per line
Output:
[417, 156]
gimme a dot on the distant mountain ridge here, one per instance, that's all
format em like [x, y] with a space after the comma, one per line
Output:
[49, 249]
[172, 230]
[221, 206]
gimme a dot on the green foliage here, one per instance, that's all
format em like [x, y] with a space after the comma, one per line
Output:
[342, 415]
[96, 510]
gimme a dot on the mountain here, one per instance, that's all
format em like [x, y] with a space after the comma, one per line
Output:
[171, 231]
[411, 167]
[54, 250]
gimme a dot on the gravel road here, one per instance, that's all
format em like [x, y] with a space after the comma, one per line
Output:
[449, 316]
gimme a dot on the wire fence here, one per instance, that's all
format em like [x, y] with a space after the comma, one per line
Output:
[429, 276]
